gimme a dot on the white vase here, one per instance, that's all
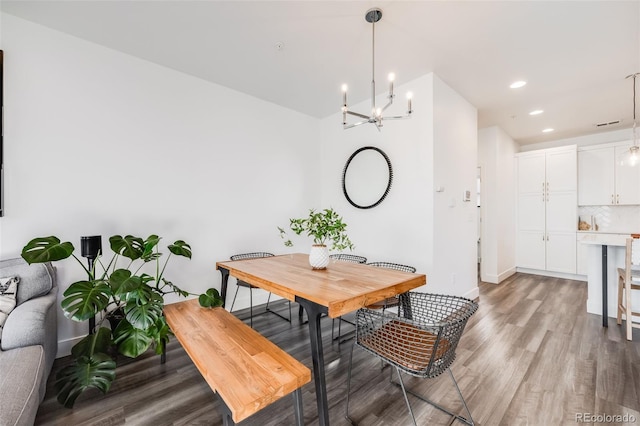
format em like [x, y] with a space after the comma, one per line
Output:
[319, 256]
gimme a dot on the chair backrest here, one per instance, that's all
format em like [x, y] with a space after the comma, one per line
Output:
[633, 246]
[396, 266]
[348, 257]
[254, 255]
[423, 339]
[632, 260]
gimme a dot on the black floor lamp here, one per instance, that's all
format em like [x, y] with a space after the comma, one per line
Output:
[91, 247]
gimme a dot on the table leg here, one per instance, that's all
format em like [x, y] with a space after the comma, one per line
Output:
[223, 286]
[314, 312]
[605, 287]
[405, 303]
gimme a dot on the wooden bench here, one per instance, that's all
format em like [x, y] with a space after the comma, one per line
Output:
[246, 370]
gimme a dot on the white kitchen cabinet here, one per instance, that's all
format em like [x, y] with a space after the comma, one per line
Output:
[547, 210]
[605, 178]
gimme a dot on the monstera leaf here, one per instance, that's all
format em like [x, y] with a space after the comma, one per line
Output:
[84, 299]
[160, 333]
[210, 299]
[148, 254]
[46, 249]
[180, 248]
[92, 368]
[143, 315]
[122, 282]
[131, 341]
[129, 246]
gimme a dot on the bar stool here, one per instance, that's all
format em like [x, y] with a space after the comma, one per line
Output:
[629, 280]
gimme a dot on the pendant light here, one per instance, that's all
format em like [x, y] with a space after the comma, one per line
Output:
[375, 117]
[634, 150]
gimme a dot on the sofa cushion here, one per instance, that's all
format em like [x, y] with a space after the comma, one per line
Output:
[21, 372]
[35, 280]
[8, 290]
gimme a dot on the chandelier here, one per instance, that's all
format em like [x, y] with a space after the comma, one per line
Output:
[634, 150]
[375, 117]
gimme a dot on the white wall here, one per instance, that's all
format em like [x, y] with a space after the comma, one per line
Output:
[414, 225]
[496, 158]
[98, 142]
[455, 159]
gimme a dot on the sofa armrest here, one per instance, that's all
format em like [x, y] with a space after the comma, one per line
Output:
[34, 322]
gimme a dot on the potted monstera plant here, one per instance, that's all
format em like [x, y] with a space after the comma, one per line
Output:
[323, 227]
[129, 295]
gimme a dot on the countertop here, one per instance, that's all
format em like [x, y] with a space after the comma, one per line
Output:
[603, 238]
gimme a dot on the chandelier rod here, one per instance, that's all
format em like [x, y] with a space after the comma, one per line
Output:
[373, 67]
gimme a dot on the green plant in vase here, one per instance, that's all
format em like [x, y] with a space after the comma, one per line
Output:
[130, 297]
[323, 227]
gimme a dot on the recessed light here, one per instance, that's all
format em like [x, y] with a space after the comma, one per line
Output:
[547, 130]
[517, 84]
[536, 112]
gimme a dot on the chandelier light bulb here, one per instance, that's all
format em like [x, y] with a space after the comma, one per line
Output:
[344, 101]
[392, 77]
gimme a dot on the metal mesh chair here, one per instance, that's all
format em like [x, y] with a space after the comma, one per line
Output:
[240, 283]
[422, 341]
[382, 304]
[345, 258]
[629, 280]
[391, 301]
[348, 257]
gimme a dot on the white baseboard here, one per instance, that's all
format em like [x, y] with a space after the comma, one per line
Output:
[553, 274]
[497, 279]
[472, 294]
[64, 346]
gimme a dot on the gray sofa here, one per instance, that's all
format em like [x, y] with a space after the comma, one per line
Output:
[29, 341]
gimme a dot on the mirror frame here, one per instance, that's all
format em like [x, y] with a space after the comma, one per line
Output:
[344, 175]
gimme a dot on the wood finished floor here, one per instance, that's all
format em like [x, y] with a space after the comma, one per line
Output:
[531, 355]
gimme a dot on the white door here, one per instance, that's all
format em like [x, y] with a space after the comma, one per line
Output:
[561, 171]
[531, 212]
[627, 178]
[596, 177]
[531, 177]
[561, 252]
[562, 215]
[530, 250]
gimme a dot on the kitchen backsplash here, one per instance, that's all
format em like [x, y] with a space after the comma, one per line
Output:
[613, 219]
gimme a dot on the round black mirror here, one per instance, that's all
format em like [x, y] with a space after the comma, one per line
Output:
[367, 176]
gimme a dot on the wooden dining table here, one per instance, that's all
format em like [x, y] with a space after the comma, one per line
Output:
[341, 288]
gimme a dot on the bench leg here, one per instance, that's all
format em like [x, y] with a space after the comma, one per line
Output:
[297, 407]
[227, 419]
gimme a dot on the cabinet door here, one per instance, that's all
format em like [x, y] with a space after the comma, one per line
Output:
[596, 177]
[582, 267]
[530, 251]
[561, 252]
[531, 212]
[561, 212]
[627, 178]
[561, 171]
[531, 176]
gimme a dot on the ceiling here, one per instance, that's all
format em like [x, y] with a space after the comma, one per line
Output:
[573, 54]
